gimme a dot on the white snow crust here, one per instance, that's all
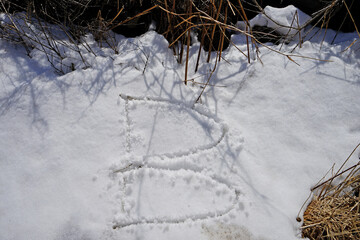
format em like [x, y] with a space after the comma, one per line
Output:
[118, 148]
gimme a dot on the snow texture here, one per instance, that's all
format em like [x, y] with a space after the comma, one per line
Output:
[118, 148]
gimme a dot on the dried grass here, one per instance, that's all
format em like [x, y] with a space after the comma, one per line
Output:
[334, 211]
[332, 218]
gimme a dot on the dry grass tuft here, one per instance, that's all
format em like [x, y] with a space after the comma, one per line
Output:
[334, 212]
[332, 218]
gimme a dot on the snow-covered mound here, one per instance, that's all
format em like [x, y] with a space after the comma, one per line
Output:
[288, 21]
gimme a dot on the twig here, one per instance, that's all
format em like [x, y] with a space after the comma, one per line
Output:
[338, 172]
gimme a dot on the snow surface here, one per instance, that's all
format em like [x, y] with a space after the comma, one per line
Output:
[288, 21]
[118, 149]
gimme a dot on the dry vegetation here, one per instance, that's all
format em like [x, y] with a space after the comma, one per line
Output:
[212, 21]
[334, 211]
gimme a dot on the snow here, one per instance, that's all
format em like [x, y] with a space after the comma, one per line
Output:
[118, 149]
[285, 21]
